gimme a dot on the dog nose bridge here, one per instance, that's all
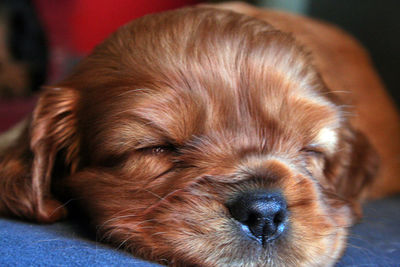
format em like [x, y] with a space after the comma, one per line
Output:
[267, 166]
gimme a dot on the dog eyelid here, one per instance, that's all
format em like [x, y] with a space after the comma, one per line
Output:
[314, 150]
[158, 149]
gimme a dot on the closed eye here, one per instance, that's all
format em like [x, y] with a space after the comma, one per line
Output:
[313, 150]
[158, 150]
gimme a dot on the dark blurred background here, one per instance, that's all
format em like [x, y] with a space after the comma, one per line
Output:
[376, 24]
[41, 40]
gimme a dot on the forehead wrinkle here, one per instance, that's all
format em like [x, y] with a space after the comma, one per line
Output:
[224, 110]
[177, 114]
[128, 133]
[282, 85]
[275, 78]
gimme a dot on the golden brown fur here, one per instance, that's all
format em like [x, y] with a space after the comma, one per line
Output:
[177, 113]
[347, 70]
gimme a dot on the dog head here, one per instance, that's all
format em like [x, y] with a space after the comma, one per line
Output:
[196, 137]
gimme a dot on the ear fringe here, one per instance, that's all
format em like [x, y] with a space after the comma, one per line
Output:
[26, 168]
[354, 169]
[54, 122]
[53, 129]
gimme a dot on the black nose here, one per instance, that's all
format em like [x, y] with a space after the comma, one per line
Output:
[262, 214]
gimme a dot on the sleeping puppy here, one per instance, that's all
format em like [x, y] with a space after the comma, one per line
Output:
[205, 137]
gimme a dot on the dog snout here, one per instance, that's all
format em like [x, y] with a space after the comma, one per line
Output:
[261, 214]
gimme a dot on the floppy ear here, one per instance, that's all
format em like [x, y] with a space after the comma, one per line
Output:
[26, 167]
[354, 168]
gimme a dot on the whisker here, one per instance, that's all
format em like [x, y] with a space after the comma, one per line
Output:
[65, 204]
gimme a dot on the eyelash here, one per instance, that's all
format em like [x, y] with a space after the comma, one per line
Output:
[162, 149]
[158, 150]
[312, 150]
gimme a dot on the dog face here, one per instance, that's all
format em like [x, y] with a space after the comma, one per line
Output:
[196, 137]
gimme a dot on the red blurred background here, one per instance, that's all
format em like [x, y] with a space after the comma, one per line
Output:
[73, 28]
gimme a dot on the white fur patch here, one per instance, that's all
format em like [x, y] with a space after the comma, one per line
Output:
[328, 138]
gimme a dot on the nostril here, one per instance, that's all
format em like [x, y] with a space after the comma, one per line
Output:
[276, 226]
[252, 219]
[264, 213]
[279, 218]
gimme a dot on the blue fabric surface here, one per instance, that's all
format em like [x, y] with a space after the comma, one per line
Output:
[60, 244]
[374, 242]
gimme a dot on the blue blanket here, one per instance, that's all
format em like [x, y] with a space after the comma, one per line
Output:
[373, 242]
